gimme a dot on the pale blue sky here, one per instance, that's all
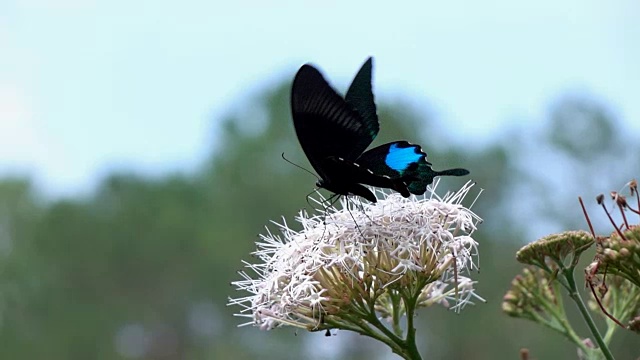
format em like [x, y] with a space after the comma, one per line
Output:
[92, 85]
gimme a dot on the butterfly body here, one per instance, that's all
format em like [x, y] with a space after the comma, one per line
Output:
[334, 133]
[345, 177]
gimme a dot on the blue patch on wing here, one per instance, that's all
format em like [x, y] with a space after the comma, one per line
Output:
[400, 158]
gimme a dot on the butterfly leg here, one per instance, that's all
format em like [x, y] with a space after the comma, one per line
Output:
[331, 202]
[360, 207]
[354, 219]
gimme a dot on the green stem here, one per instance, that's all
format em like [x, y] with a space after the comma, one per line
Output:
[558, 311]
[397, 315]
[559, 323]
[372, 318]
[575, 296]
[611, 329]
[410, 342]
[410, 299]
[404, 347]
[408, 345]
[363, 329]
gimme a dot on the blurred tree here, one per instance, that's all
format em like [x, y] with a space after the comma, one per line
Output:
[140, 270]
[20, 273]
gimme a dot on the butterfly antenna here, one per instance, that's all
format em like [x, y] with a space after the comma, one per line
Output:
[299, 167]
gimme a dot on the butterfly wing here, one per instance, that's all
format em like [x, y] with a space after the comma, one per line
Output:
[360, 96]
[334, 133]
[326, 125]
[406, 162]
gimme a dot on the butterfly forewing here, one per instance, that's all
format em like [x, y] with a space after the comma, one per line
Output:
[325, 123]
[360, 96]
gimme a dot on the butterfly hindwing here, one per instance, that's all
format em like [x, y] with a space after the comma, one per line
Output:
[423, 176]
[395, 159]
[403, 161]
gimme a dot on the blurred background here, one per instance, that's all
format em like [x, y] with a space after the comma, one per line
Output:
[140, 152]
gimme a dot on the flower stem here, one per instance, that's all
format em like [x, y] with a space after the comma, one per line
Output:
[397, 315]
[410, 341]
[575, 296]
[558, 321]
[362, 328]
[406, 347]
[398, 345]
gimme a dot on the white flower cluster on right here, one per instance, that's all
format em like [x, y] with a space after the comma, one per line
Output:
[345, 263]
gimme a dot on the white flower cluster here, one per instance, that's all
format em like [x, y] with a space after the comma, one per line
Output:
[345, 261]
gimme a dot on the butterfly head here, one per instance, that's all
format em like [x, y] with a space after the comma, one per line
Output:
[331, 186]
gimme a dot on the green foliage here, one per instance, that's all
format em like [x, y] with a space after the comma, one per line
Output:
[158, 254]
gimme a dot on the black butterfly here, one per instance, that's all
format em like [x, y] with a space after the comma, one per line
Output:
[334, 133]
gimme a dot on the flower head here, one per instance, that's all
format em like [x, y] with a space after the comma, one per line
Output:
[555, 248]
[619, 255]
[614, 273]
[531, 295]
[361, 261]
